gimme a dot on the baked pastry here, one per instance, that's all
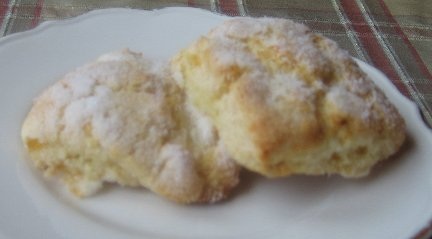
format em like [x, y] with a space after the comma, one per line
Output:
[288, 101]
[122, 119]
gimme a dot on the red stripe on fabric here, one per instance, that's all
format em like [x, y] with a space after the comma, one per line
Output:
[371, 44]
[37, 13]
[229, 7]
[3, 9]
[407, 42]
[191, 3]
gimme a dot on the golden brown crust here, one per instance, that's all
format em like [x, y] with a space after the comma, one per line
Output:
[285, 100]
[123, 119]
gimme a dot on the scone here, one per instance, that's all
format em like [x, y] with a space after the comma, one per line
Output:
[287, 101]
[122, 119]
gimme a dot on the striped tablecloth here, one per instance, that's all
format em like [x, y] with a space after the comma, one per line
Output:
[393, 35]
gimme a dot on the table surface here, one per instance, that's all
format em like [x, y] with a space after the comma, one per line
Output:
[395, 36]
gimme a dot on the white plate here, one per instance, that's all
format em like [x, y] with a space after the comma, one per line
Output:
[394, 202]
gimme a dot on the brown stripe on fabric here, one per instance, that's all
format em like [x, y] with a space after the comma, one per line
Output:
[229, 7]
[422, 66]
[370, 44]
[417, 33]
[37, 13]
[293, 10]
[328, 28]
[388, 30]
[3, 9]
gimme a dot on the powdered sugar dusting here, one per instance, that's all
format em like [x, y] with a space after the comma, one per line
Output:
[177, 166]
[235, 43]
[123, 119]
[224, 159]
[348, 102]
[87, 187]
[228, 52]
[202, 123]
[231, 38]
[290, 85]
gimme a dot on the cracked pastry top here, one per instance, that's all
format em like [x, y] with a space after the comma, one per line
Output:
[122, 119]
[288, 101]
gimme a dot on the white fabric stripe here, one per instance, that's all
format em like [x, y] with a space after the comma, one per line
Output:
[394, 60]
[241, 8]
[214, 6]
[350, 32]
[7, 18]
